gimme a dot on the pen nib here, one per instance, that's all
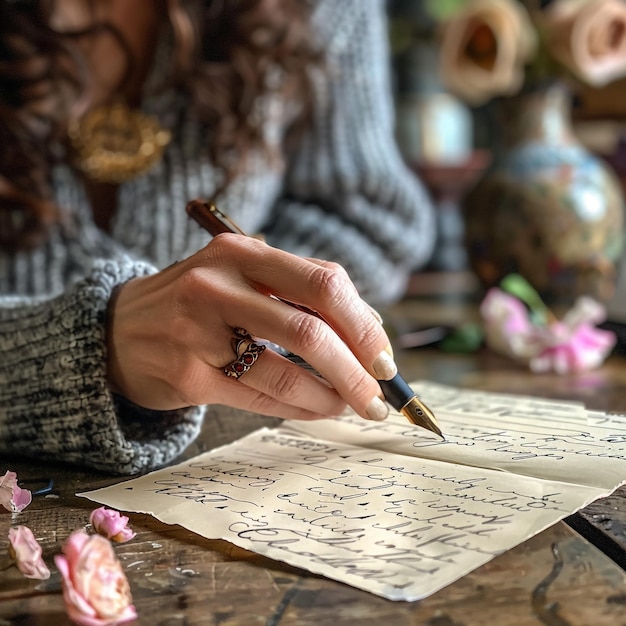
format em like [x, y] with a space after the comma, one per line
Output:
[419, 414]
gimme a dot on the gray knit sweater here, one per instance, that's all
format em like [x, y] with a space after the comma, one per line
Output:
[344, 195]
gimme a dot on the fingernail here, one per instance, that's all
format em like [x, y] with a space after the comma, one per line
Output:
[384, 366]
[389, 350]
[377, 410]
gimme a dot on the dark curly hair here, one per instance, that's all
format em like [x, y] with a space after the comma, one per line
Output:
[225, 51]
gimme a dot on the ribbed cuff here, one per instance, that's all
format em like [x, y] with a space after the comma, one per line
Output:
[56, 405]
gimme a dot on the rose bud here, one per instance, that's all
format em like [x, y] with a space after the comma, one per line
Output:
[110, 524]
[484, 48]
[588, 38]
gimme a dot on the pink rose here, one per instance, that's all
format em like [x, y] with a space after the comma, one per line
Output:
[484, 47]
[25, 550]
[588, 37]
[12, 497]
[571, 344]
[111, 524]
[95, 589]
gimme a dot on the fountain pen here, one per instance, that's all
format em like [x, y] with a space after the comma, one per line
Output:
[397, 391]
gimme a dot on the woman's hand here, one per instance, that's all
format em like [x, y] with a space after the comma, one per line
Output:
[170, 335]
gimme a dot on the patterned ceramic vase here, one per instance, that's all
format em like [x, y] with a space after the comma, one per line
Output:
[547, 208]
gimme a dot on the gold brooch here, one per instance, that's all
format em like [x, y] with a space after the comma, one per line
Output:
[114, 143]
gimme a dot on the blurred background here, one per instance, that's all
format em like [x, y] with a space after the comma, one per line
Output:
[516, 123]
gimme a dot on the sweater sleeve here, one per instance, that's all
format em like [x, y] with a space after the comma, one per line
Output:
[54, 401]
[348, 195]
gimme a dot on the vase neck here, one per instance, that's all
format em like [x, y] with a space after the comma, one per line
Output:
[541, 114]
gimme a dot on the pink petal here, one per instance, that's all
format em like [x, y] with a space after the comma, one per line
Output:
[506, 322]
[12, 497]
[498, 307]
[27, 553]
[74, 601]
[126, 534]
[585, 348]
[21, 499]
[74, 545]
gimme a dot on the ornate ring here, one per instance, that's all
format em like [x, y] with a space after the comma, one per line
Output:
[247, 351]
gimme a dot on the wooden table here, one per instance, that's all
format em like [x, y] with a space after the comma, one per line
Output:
[561, 577]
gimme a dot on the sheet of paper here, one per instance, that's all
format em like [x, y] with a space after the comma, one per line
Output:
[496, 405]
[516, 434]
[385, 507]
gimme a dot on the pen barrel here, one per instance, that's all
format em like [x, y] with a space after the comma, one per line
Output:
[396, 391]
[208, 218]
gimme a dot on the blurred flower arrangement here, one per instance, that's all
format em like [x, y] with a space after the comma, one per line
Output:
[492, 48]
[519, 325]
[516, 323]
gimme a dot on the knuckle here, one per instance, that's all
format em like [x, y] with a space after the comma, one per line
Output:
[336, 268]
[231, 247]
[181, 334]
[223, 245]
[181, 308]
[361, 384]
[197, 285]
[333, 284]
[264, 404]
[308, 333]
[287, 385]
[368, 336]
[192, 281]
